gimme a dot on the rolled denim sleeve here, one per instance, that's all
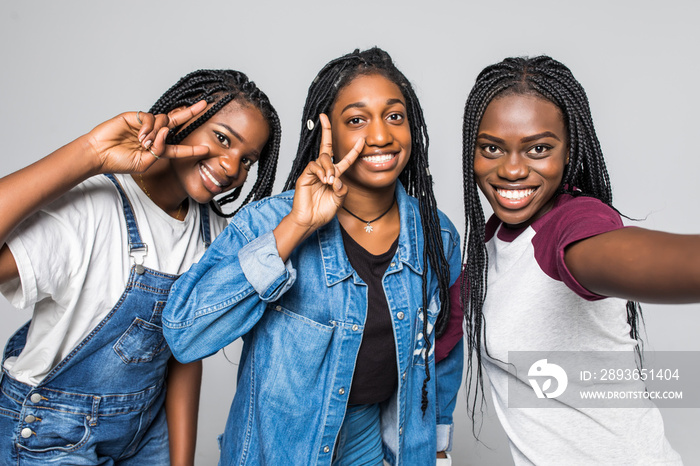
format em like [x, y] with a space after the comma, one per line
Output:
[226, 293]
[449, 380]
[264, 269]
[449, 368]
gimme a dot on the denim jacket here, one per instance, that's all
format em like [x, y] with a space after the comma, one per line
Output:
[302, 323]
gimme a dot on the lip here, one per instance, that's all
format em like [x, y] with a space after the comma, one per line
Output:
[380, 160]
[213, 181]
[514, 197]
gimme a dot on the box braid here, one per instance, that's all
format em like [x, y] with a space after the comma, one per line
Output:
[415, 177]
[221, 87]
[585, 175]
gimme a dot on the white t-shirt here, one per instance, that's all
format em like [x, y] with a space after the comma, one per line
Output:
[73, 261]
[534, 304]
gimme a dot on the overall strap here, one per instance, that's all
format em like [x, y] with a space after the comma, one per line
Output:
[137, 248]
[204, 224]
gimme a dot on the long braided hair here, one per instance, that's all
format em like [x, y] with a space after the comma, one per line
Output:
[585, 175]
[221, 87]
[415, 176]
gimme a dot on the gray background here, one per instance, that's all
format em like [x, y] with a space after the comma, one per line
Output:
[66, 66]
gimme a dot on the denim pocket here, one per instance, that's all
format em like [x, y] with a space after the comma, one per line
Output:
[54, 431]
[141, 342]
[290, 355]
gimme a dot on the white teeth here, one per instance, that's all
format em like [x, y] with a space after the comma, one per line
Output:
[209, 175]
[378, 158]
[515, 194]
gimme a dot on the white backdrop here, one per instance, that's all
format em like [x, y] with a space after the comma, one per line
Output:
[66, 66]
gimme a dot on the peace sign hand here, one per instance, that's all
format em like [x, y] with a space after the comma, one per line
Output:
[133, 141]
[319, 192]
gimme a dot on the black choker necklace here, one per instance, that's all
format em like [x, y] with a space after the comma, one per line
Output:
[368, 227]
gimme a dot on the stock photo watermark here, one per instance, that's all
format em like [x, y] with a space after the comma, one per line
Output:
[603, 379]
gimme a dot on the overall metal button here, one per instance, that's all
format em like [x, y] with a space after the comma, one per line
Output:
[326, 449]
[29, 419]
[400, 315]
[355, 327]
[341, 391]
[35, 398]
[26, 432]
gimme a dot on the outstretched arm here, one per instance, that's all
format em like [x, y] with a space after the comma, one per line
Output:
[120, 145]
[639, 265]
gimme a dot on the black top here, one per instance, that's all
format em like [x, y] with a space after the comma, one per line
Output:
[376, 373]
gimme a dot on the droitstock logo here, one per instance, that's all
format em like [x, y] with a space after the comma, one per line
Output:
[542, 370]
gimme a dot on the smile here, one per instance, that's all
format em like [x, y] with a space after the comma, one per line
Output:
[208, 174]
[515, 194]
[381, 158]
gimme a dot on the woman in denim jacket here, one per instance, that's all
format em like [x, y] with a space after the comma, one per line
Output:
[337, 289]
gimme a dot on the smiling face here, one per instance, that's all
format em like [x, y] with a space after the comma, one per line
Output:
[236, 136]
[371, 107]
[520, 155]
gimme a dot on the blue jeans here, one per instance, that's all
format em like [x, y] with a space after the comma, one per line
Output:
[360, 438]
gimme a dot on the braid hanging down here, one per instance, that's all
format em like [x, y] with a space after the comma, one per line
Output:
[221, 87]
[585, 175]
[415, 177]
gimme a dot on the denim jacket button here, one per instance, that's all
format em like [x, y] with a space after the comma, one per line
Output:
[401, 431]
[26, 432]
[400, 315]
[341, 391]
[29, 419]
[355, 327]
[326, 449]
[403, 376]
[35, 398]
[278, 308]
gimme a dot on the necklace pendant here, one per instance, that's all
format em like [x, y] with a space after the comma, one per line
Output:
[369, 228]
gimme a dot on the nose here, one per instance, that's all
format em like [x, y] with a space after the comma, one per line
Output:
[513, 167]
[378, 133]
[231, 163]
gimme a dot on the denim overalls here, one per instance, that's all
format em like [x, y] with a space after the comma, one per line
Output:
[102, 403]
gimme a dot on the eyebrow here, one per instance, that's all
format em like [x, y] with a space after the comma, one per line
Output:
[363, 105]
[238, 136]
[534, 137]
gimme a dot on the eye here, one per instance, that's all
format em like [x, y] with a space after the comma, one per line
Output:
[490, 150]
[539, 150]
[247, 163]
[397, 117]
[223, 139]
[355, 121]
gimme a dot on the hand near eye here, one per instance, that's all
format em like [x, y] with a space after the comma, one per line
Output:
[318, 195]
[133, 141]
[319, 190]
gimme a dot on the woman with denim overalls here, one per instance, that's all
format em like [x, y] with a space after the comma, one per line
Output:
[94, 257]
[337, 289]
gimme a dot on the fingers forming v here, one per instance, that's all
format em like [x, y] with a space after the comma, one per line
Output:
[327, 148]
[179, 117]
[350, 157]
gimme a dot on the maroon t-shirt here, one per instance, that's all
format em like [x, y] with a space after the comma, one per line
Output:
[571, 219]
